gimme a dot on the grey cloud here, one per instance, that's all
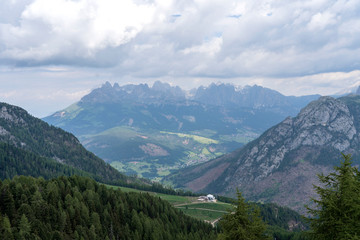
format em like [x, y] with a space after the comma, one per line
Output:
[255, 38]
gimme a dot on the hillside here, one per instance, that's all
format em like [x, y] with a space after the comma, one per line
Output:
[16, 161]
[31, 145]
[152, 131]
[281, 165]
[79, 208]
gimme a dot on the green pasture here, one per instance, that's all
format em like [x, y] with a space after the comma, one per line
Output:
[208, 211]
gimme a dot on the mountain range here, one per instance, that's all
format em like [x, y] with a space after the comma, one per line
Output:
[152, 131]
[281, 165]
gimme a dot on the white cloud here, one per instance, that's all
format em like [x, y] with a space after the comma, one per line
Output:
[319, 21]
[267, 38]
[73, 28]
[209, 47]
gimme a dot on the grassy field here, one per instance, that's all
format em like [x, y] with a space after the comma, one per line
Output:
[174, 200]
[202, 140]
[218, 206]
[202, 214]
[207, 211]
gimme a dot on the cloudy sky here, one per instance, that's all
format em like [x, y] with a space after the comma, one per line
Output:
[52, 52]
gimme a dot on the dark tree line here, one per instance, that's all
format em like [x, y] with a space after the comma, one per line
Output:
[34, 135]
[16, 161]
[79, 208]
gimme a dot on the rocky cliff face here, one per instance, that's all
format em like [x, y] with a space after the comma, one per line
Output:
[281, 165]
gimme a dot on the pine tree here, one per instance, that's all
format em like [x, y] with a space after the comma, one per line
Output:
[24, 227]
[245, 223]
[6, 231]
[337, 211]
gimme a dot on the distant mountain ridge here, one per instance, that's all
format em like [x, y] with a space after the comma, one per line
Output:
[135, 93]
[225, 95]
[248, 96]
[281, 165]
[153, 130]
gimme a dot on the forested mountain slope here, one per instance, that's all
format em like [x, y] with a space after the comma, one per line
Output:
[36, 140]
[79, 208]
[16, 161]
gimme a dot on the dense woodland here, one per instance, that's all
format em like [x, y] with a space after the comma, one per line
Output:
[79, 208]
[24, 131]
[16, 161]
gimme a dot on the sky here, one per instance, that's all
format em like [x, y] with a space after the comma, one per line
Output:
[53, 52]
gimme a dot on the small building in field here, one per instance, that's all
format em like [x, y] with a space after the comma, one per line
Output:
[207, 198]
[211, 198]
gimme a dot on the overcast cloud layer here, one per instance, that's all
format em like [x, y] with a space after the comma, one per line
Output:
[67, 47]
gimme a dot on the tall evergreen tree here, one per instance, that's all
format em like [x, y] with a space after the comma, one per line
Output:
[337, 211]
[243, 224]
[24, 227]
[5, 229]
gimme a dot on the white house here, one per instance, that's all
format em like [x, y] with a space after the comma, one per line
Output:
[211, 198]
[207, 198]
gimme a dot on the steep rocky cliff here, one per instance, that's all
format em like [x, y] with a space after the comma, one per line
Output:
[281, 165]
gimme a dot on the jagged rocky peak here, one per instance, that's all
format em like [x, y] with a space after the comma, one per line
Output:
[325, 123]
[106, 85]
[160, 86]
[11, 113]
[217, 94]
[105, 93]
[134, 92]
[332, 114]
[248, 96]
[174, 91]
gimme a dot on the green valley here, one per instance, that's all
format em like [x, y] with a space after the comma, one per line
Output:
[165, 151]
